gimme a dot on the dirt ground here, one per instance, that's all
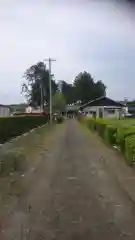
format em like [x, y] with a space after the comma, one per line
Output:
[80, 190]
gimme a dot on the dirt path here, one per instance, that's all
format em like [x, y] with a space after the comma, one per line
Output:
[74, 194]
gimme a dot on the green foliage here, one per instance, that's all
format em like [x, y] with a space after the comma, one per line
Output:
[36, 86]
[86, 88]
[68, 91]
[110, 134]
[91, 123]
[11, 127]
[60, 119]
[130, 149]
[100, 128]
[122, 133]
[119, 132]
[58, 102]
[35, 77]
[83, 89]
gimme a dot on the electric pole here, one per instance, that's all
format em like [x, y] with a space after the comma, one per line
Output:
[42, 99]
[50, 60]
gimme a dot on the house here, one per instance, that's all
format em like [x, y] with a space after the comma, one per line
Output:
[5, 110]
[103, 107]
[72, 110]
[18, 108]
[129, 106]
[131, 109]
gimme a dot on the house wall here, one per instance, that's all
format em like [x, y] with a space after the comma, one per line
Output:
[105, 112]
[4, 111]
[90, 110]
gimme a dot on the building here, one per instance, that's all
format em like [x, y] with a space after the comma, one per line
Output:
[5, 110]
[18, 108]
[72, 110]
[103, 107]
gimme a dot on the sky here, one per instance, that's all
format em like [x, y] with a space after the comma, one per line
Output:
[88, 35]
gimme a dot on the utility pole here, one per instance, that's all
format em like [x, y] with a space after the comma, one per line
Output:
[50, 60]
[42, 100]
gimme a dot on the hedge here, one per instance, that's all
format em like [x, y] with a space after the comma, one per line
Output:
[122, 133]
[115, 132]
[91, 123]
[11, 127]
[130, 149]
[110, 134]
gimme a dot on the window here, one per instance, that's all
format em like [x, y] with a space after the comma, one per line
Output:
[111, 111]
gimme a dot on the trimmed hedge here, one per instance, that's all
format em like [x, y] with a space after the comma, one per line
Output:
[11, 127]
[91, 123]
[110, 134]
[130, 149]
[122, 133]
[100, 128]
[115, 132]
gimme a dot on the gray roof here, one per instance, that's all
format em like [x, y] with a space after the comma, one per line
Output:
[72, 108]
[102, 101]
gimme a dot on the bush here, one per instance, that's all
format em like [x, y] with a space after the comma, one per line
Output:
[100, 127]
[11, 127]
[130, 149]
[122, 133]
[110, 134]
[60, 119]
[91, 123]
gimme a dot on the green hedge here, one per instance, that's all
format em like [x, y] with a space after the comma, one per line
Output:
[130, 149]
[122, 133]
[91, 123]
[100, 128]
[110, 134]
[114, 132]
[11, 127]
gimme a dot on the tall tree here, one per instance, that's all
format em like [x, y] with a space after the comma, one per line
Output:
[36, 84]
[86, 89]
[58, 102]
[68, 91]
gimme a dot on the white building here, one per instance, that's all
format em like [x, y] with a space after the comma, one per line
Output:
[4, 110]
[103, 107]
[30, 109]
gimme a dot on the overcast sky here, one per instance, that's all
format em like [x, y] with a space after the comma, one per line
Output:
[96, 36]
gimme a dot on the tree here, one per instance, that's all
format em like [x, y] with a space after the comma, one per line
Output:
[100, 89]
[58, 102]
[68, 91]
[86, 89]
[36, 84]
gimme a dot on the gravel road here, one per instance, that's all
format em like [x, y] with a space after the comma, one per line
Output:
[73, 194]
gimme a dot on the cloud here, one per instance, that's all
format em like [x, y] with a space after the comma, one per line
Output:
[97, 36]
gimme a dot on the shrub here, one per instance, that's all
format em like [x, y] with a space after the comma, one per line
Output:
[110, 134]
[130, 149]
[91, 123]
[100, 127]
[14, 126]
[122, 133]
[60, 119]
